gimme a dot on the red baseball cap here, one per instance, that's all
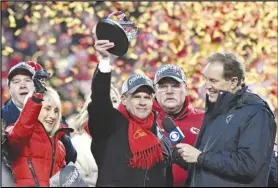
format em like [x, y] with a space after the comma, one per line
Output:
[30, 67]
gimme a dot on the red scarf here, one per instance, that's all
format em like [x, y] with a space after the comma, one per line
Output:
[144, 145]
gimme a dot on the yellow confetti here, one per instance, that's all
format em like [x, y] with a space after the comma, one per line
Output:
[36, 15]
[17, 32]
[69, 19]
[59, 6]
[91, 50]
[163, 26]
[38, 7]
[271, 34]
[5, 53]
[52, 40]
[12, 25]
[74, 48]
[73, 4]
[216, 34]
[52, 22]
[3, 39]
[11, 19]
[40, 42]
[207, 38]
[90, 10]
[11, 12]
[133, 56]
[78, 8]
[76, 21]
[144, 3]
[49, 12]
[25, 6]
[87, 32]
[197, 7]
[69, 79]
[9, 49]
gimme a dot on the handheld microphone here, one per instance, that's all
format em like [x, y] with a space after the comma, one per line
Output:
[174, 133]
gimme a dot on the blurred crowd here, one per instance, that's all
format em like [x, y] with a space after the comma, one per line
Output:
[58, 35]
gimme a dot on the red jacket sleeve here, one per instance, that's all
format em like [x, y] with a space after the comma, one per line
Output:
[20, 133]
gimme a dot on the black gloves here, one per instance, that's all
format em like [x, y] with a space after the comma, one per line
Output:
[39, 80]
[42, 74]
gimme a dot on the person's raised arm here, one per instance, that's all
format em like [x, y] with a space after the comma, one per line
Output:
[100, 109]
[20, 133]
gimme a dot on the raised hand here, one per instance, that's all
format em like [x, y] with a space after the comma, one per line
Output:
[42, 74]
[101, 47]
[39, 80]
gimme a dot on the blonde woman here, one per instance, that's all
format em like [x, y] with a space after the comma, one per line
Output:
[81, 140]
[37, 153]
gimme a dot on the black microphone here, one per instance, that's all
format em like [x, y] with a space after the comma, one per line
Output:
[174, 133]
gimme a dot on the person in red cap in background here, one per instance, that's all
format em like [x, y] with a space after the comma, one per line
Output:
[20, 84]
[172, 101]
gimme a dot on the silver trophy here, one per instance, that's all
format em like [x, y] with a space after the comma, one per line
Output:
[118, 29]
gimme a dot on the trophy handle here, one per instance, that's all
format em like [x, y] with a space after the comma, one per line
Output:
[122, 18]
[120, 15]
[122, 22]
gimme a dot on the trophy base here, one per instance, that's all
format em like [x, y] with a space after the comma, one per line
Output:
[109, 30]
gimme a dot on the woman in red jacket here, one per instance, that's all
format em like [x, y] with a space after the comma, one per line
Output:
[37, 153]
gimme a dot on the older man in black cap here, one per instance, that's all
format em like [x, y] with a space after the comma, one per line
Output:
[172, 100]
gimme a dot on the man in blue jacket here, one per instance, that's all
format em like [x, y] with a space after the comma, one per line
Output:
[236, 140]
[20, 84]
[273, 177]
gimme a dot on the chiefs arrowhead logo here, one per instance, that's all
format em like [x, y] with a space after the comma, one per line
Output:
[194, 130]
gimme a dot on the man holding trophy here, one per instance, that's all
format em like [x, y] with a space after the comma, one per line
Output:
[128, 146]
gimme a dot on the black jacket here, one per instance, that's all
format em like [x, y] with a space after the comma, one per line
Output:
[110, 147]
[273, 176]
[236, 138]
[8, 178]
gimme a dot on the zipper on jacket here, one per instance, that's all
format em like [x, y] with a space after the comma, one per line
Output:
[145, 178]
[35, 177]
[53, 156]
[53, 151]
[193, 177]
